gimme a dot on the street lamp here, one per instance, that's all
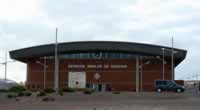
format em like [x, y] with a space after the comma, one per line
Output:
[172, 59]
[141, 72]
[56, 65]
[163, 67]
[163, 58]
[6, 64]
[44, 70]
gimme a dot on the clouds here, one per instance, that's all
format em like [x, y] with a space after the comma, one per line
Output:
[14, 10]
[25, 23]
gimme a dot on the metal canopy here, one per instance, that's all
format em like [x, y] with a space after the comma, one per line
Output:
[94, 46]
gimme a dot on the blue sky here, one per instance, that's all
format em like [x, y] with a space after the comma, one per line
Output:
[25, 23]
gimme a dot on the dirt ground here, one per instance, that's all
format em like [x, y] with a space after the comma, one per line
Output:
[105, 101]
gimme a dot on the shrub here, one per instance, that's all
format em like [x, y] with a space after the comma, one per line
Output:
[81, 89]
[49, 90]
[34, 90]
[41, 93]
[116, 92]
[28, 93]
[11, 96]
[61, 93]
[3, 90]
[88, 91]
[46, 99]
[20, 94]
[68, 90]
[52, 99]
[17, 88]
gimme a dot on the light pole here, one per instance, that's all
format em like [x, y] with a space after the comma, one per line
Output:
[56, 68]
[163, 67]
[172, 55]
[172, 60]
[44, 70]
[141, 72]
[163, 58]
[6, 64]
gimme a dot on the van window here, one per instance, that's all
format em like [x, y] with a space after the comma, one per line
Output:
[161, 82]
[171, 83]
[164, 82]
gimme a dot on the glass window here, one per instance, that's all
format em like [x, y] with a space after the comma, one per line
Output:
[170, 83]
[97, 55]
[117, 55]
[104, 55]
[123, 56]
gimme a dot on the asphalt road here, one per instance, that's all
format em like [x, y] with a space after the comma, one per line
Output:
[106, 101]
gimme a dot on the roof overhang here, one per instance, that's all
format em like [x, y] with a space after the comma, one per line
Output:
[25, 54]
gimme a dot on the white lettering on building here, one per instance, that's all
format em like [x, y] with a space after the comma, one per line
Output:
[118, 66]
[76, 66]
[105, 66]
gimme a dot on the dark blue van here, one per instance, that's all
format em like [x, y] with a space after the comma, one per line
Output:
[168, 85]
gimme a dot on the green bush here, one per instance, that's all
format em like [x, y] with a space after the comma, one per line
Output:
[81, 89]
[49, 90]
[34, 90]
[69, 90]
[21, 94]
[116, 92]
[11, 96]
[41, 93]
[18, 88]
[3, 90]
[52, 99]
[28, 93]
[46, 99]
[61, 93]
[88, 91]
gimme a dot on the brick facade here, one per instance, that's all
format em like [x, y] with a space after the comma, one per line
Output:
[120, 78]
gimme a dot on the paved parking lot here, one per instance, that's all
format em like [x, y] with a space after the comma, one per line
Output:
[106, 101]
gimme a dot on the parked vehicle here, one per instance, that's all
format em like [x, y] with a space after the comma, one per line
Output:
[168, 85]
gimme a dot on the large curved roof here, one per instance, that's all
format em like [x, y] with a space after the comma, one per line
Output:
[92, 46]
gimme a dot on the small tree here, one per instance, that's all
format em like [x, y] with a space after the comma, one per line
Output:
[17, 88]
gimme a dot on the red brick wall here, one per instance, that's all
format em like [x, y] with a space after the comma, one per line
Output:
[123, 79]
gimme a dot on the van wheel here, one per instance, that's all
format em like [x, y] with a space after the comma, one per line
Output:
[178, 90]
[159, 90]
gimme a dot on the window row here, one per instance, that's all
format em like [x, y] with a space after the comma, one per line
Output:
[98, 55]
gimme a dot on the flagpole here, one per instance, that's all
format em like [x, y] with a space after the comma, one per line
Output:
[172, 55]
[5, 66]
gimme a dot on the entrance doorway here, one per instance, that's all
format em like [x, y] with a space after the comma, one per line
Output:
[99, 87]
